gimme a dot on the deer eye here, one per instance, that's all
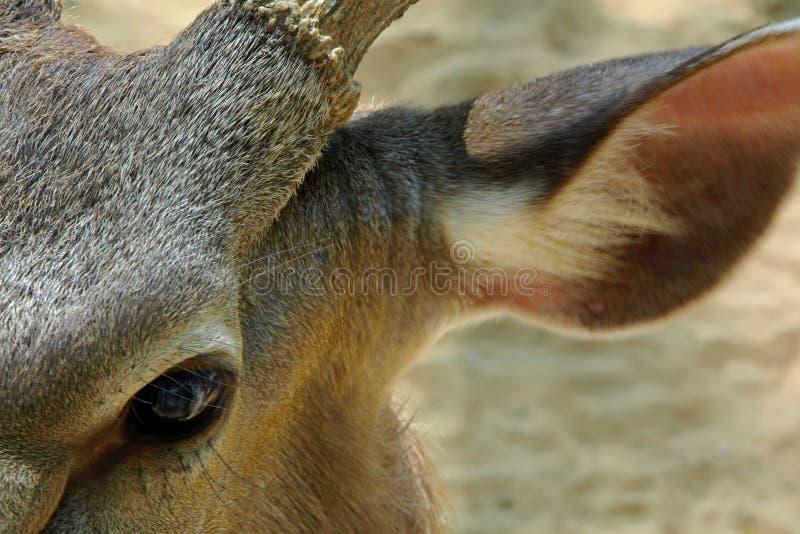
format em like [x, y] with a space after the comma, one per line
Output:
[178, 403]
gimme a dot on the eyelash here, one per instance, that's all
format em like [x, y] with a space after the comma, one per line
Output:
[179, 403]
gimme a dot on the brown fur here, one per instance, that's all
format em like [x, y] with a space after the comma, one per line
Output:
[168, 203]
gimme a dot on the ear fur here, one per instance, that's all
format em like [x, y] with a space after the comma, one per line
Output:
[685, 172]
[30, 8]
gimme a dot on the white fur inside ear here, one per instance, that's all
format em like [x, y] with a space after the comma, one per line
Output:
[576, 234]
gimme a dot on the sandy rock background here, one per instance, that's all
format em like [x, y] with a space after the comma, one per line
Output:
[693, 427]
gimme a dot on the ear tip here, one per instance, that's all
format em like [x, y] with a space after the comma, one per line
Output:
[778, 28]
[759, 35]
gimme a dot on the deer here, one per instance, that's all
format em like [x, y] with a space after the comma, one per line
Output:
[187, 343]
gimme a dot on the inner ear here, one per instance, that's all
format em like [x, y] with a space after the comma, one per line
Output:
[763, 78]
[729, 157]
[673, 197]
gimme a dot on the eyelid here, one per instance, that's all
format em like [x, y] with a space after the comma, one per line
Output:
[205, 361]
[211, 338]
[210, 341]
[156, 413]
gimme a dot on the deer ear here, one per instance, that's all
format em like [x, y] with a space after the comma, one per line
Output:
[658, 190]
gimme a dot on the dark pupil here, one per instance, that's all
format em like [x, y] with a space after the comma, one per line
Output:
[175, 403]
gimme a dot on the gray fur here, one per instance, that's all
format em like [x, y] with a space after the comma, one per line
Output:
[143, 194]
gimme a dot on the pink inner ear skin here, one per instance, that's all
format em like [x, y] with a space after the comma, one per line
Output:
[762, 79]
[722, 172]
[545, 297]
[729, 159]
[730, 121]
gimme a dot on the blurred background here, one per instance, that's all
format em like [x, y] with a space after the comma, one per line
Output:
[692, 427]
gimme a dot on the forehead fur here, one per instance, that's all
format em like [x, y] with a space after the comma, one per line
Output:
[126, 182]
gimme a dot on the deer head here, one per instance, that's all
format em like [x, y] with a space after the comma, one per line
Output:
[211, 271]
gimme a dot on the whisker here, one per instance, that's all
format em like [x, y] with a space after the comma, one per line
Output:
[165, 495]
[408, 423]
[231, 345]
[292, 249]
[235, 347]
[229, 468]
[287, 262]
[211, 340]
[261, 507]
[296, 258]
[136, 415]
[186, 398]
[134, 397]
[184, 386]
[199, 375]
[211, 483]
